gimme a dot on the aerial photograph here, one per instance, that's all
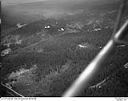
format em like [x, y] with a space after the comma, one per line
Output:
[54, 48]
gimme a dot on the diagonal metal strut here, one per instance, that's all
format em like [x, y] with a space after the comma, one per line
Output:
[93, 68]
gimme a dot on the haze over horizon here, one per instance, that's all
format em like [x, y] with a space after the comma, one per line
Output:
[15, 2]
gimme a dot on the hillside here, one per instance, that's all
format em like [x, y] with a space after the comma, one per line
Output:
[42, 57]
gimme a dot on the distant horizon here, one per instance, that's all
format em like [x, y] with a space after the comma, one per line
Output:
[15, 2]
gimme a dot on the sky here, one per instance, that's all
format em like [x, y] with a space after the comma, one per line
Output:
[10, 2]
[13, 2]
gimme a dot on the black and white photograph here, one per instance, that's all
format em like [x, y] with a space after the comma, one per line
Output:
[64, 48]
